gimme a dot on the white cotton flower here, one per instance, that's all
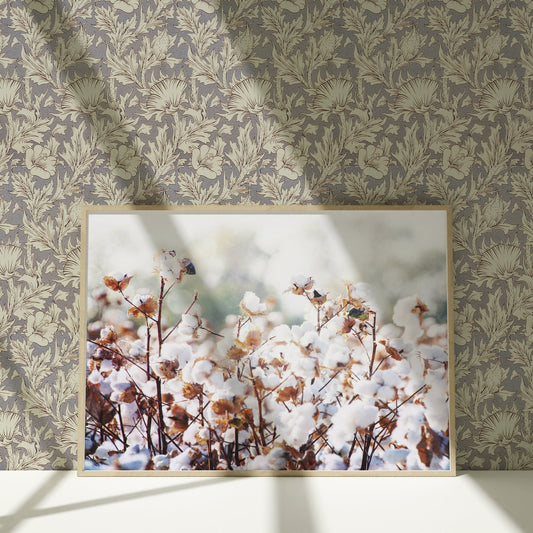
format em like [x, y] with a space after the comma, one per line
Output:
[302, 282]
[294, 427]
[395, 456]
[386, 394]
[387, 377]
[299, 331]
[336, 356]
[434, 353]
[331, 461]
[105, 387]
[118, 276]
[94, 377]
[137, 348]
[167, 264]
[189, 324]
[161, 462]
[106, 366]
[181, 461]
[134, 458]
[405, 315]
[348, 419]
[251, 304]
[311, 341]
[282, 333]
[363, 292]
[436, 402]
[365, 389]
[305, 367]
[407, 430]
[229, 435]
[180, 353]
[234, 387]
[261, 462]
[201, 371]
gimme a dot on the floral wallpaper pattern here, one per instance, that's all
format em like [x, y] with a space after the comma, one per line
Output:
[266, 102]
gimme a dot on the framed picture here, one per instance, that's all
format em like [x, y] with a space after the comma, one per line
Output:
[266, 341]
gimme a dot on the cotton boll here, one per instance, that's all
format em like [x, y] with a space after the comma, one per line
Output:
[234, 387]
[365, 389]
[305, 367]
[181, 461]
[106, 366]
[331, 461]
[189, 436]
[434, 353]
[282, 333]
[298, 331]
[149, 388]
[437, 330]
[395, 456]
[404, 316]
[386, 393]
[215, 380]
[348, 419]
[251, 304]
[138, 375]
[388, 377]
[181, 352]
[294, 427]
[401, 345]
[134, 458]
[407, 430]
[413, 461]
[389, 331]
[94, 377]
[311, 341]
[189, 324]
[161, 462]
[201, 371]
[105, 387]
[337, 355]
[260, 462]
[277, 459]
[102, 452]
[435, 399]
[356, 459]
[229, 435]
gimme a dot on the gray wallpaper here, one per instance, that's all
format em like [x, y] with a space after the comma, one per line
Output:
[266, 102]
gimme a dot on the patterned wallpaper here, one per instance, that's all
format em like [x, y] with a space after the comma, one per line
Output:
[266, 102]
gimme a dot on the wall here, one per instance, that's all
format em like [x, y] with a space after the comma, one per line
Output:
[272, 102]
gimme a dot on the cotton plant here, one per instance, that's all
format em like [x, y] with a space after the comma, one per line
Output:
[337, 391]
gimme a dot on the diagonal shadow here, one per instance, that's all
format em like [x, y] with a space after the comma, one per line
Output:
[511, 493]
[28, 508]
[10, 522]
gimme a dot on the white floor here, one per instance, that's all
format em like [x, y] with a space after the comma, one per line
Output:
[487, 502]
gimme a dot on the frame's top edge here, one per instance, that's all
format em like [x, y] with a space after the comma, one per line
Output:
[86, 208]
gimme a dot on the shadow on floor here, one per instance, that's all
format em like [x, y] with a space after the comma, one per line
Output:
[292, 501]
[28, 509]
[512, 494]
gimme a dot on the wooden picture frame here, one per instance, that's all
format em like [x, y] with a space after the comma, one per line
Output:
[267, 341]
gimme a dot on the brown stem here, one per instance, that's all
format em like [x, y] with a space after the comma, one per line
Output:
[148, 372]
[160, 422]
[236, 447]
[374, 346]
[122, 427]
[260, 410]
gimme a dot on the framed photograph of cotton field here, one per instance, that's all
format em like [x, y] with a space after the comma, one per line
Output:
[268, 341]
